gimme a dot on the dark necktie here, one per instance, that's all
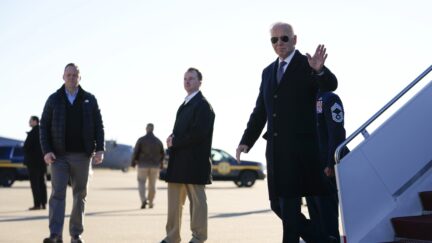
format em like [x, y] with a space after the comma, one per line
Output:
[280, 71]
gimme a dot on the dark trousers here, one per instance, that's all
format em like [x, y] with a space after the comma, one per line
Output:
[295, 224]
[325, 211]
[75, 166]
[38, 186]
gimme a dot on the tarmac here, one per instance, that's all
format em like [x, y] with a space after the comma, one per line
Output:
[113, 213]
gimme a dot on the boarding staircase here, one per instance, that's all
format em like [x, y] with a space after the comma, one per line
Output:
[415, 228]
[385, 182]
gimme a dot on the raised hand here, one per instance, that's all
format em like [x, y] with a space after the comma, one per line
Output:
[316, 62]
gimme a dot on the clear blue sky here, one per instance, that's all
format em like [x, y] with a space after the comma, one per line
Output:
[133, 55]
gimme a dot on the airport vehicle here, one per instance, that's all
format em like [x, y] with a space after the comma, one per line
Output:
[11, 165]
[226, 168]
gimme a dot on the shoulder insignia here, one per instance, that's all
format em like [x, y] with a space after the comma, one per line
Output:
[337, 113]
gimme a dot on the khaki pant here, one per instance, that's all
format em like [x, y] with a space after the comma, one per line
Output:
[198, 211]
[152, 174]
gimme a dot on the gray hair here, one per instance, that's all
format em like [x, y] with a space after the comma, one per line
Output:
[283, 25]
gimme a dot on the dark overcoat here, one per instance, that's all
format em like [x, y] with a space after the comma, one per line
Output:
[33, 157]
[189, 156]
[292, 150]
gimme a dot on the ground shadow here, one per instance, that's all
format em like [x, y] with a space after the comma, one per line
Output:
[229, 215]
[124, 212]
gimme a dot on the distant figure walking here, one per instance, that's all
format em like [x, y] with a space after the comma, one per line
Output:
[148, 155]
[71, 134]
[34, 160]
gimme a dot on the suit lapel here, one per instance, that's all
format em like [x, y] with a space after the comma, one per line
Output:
[273, 81]
[196, 98]
[180, 109]
[183, 110]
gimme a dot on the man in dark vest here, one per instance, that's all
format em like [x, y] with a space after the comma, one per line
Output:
[189, 166]
[34, 160]
[71, 134]
[286, 103]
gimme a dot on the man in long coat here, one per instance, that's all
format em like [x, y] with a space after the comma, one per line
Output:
[286, 102]
[34, 160]
[189, 165]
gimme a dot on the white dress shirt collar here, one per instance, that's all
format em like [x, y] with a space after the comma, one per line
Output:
[288, 59]
[189, 97]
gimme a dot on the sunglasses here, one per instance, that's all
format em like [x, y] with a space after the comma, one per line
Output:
[284, 38]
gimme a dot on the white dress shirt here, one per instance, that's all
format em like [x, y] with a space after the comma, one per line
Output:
[189, 97]
[287, 60]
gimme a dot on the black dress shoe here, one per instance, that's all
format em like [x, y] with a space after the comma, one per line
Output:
[143, 205]
[34, 208]
[77, 239]
[53, 239]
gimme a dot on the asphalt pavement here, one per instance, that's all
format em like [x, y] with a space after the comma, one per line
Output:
[113, 213]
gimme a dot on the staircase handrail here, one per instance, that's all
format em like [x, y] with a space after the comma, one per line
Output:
[362, 129]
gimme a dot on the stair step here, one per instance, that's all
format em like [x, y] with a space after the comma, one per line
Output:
[426, 199]
[413, 227]
[408, 241]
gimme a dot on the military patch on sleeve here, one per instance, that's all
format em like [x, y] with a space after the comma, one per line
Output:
[337, 113]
